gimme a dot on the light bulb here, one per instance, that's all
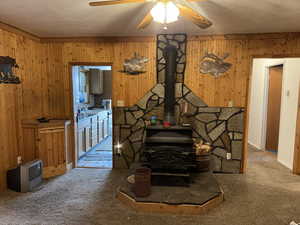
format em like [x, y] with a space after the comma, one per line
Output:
[165, 12]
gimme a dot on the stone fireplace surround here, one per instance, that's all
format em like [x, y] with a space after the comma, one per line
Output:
[223, 127]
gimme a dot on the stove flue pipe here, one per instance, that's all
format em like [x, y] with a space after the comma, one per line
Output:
[170, 55]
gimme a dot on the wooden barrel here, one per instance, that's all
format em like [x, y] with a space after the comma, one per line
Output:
[142, 185]
[203, 162]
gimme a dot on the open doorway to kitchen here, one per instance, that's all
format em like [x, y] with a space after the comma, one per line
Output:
[92, 108]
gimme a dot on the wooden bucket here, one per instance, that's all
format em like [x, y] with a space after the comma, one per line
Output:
[203, 162]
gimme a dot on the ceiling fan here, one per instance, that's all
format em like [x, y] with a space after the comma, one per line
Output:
[164, 12]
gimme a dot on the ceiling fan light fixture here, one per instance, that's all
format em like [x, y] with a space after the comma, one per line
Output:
[165, 12]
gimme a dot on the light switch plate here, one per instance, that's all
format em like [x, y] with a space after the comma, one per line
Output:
[230, 103]
[228, 155]
[19, 160]
[120, 103]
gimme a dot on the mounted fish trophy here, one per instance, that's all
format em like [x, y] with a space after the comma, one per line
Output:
[214, 65]
[135, 65]
[6, 70]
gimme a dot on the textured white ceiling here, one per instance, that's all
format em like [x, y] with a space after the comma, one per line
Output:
[67, 18]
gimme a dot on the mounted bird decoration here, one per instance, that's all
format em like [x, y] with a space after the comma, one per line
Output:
[135, 65]
[214, 65]
[6, 70]
[164, 12]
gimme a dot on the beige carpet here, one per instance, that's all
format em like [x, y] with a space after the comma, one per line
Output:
[267, 195]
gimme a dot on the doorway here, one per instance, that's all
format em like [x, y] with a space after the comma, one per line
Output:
[273, 108]
[92, 110]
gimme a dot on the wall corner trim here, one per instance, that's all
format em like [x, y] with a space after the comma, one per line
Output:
[16, 30]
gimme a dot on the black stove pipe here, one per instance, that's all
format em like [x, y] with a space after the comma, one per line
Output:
[170, 55]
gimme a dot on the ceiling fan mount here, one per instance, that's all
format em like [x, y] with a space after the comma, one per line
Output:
[164, 11]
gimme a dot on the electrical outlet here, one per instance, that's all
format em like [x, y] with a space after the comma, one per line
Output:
[228, 155]
[230, 103]
[119, 151]
[19, 160]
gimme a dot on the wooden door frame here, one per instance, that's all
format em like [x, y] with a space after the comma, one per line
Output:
[296, 163]
[71, 113]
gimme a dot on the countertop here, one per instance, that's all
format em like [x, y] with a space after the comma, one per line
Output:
[51, 123]
[92, 112]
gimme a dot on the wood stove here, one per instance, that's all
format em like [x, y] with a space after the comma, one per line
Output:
[168, 151]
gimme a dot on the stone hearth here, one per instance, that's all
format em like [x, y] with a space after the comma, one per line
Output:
[203, 194]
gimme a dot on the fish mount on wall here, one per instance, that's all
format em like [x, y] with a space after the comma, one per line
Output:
[6, 70]
[214, 65]
[135, 65]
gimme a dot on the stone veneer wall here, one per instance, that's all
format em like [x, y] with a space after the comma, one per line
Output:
[222, 127]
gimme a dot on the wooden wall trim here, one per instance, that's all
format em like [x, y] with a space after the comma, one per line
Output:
[262, 36]
[18, 31]
[246, 118]
[249, 36]
[111, 39]
[296, 162]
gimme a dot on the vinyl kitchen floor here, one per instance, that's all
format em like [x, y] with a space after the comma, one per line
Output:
[99, 157]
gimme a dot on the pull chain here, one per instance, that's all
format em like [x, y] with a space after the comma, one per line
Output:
[166, 16]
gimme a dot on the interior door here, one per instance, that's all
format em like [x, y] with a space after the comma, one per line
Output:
[273, 109]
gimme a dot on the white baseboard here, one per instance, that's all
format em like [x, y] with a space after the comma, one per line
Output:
[285, 164]
[254, 146]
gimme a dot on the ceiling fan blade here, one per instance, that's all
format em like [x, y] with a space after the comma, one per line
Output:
[116, 2]
[145, 22]
[194, 16]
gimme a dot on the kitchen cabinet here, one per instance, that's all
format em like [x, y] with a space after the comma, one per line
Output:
[87, 138]
[100, 129]
[94, 131]
[49, 142]
[83, 136]
[91, 131]
[105, 128]
[81, 141]
[96, 81]
[110, 124]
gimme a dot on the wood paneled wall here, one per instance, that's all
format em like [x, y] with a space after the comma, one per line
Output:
[56, 69]
[18, 101]
[214, 91]
[242, 48]
[46, 86]
[232, 85]
[28, 55]
[8, 131]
